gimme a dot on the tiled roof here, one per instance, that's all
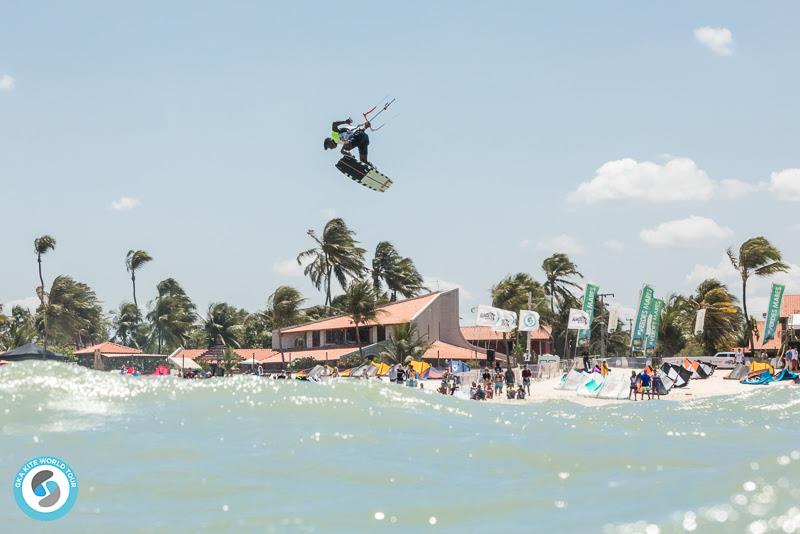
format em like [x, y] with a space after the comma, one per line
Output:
[259, 355]
[445, 351]
[394, 313]
[789, 305]
[485, 333]
[188, 353]
[108, 347]
[321, 355]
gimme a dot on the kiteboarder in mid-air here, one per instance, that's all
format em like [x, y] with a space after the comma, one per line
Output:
[359, 170]
[342, 133]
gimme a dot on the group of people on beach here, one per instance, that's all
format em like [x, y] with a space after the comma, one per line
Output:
[645, 383]
[493, 382]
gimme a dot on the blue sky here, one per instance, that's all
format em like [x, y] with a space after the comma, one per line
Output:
[209, 118]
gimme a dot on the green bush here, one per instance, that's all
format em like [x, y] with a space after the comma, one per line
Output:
[299, 364]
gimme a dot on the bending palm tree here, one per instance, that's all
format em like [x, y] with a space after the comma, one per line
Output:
[335, 256]
[284, 310]
[723, 316]
[172, 317]
[360, 304]
[399, 273]
[40, 246]
[511, 293]
[73, 312]
[558, 268]
[757, 257]
[135, 260]
[222, 325]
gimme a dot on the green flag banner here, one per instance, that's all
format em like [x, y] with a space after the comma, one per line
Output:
[773, 313]
[640, 325]
[654, 323]
[588, 306]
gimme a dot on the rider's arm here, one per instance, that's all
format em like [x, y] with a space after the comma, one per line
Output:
[336, 124]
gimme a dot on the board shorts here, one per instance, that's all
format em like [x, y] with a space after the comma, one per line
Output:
[645, 389]
[526, 381]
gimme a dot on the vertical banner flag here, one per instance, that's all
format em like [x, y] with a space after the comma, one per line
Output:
[588, 306]
[578, 319]
[613, 319]
[654, 323]
[528, 320]
[773, 313]
[496, 319]
[699, 321]
[640, 325]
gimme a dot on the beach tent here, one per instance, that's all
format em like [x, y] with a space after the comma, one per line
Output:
[615, 386]
[432, 373]
[345, 373]
[572, 380]
[420, 367]
[739, 372]
[754, 367]
[758, 379]
[666, 382]
[30, 351]
[591, 387]
[187, 363]
[784, 374]
[382, 368]
[161, 370]
[457, 366]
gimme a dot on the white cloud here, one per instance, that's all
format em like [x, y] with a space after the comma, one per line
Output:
[288, 268]
[7, 82]
[613, 244]
[561, 243]
[437, 284]
[785, 184]
[719, 40]
[125, 203]
[30, 303]
[739, 188]
[678, 179]
[757, 288]
[691, 231]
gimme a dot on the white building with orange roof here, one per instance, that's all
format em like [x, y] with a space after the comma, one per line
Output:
[435, 316]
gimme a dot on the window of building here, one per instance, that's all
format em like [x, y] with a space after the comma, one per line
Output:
[315, 338]
[334, 337]
[381, 333]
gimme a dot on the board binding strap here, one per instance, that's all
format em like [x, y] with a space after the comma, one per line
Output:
[364, 174]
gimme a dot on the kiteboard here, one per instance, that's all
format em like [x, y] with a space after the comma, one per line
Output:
[364, 173]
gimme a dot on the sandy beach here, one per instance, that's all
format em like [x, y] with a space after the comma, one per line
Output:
[545, 390]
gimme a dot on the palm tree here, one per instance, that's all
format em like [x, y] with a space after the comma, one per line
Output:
[360, 304]
[41, 245]
[399, 273]
[17, 329]
[127, 322]
[558, 268]
[223, 325]
[335, 256]
[73, 312]
[405, 342]
[172, 316]
[284, 310]
[757, 257]
[723, 316]
[512, 293]
[671, 338]
[135, 260]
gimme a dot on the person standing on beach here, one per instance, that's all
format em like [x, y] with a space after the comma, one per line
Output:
[498, 384]
[586, 361]
[510, 379]
[645, 381]
[526, 379]
[604, 369]
[634, 383]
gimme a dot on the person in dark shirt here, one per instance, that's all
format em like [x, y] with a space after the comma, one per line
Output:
[343, 134]
[526, 379]
[634, 384]
[645, 381]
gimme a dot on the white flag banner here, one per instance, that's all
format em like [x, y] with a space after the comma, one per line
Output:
[496, 319]
[700, 321]
[528, 321]
[613, 319]
[578, 319]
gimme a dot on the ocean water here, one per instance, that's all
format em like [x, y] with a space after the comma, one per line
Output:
[254, 455]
